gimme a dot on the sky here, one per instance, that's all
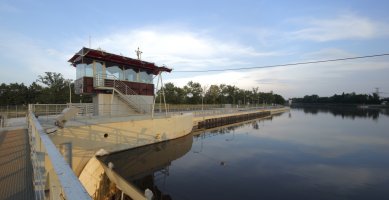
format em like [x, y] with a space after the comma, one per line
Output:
[40, 36]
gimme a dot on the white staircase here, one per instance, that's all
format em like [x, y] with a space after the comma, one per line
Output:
[125, 93]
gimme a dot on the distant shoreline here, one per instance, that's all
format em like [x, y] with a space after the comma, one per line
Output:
[378, 106]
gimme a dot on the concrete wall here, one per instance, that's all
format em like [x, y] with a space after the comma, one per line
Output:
[158, 157]
[116, 136]
[112, 105]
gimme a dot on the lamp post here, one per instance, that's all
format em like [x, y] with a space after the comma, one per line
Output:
[202, 97]
[258, 101]
[244, 99]
[225, 95]
[189, 95]
[202, 101]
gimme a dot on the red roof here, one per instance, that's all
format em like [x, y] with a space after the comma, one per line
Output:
[126, 62]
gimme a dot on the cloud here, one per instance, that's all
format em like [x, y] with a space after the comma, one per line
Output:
[176, 47]
[341, 177]
[182, 49]
[23, 59]
[324, 79]
[348, 65]
[327, 53]
[335, 143]
[343, 27]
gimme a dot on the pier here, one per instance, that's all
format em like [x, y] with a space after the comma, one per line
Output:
[215, 120]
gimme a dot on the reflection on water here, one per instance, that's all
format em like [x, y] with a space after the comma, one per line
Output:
[143, 165]
[229, 129]
[346, 111]
[296, 155]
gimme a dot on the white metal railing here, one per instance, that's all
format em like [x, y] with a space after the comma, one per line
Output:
[14, 111]
[126, 93]
[212, 109]
[89, 111]
[85, 109]
[53, 177]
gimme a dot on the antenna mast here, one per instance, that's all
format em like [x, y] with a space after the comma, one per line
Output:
[90, 41]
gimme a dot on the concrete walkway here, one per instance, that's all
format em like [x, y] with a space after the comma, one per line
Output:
[15, 165]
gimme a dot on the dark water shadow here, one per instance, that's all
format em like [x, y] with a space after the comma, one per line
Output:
[143, 166]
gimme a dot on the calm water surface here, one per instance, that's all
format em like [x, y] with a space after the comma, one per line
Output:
[302, 154]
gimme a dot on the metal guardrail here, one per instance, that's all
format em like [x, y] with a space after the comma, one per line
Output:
[90, 109]
[199, 110]
[86, 109]
[116, 110]
[53, 177]
[14, 111]
[199, 107]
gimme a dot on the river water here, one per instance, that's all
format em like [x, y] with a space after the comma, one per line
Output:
[307, 153]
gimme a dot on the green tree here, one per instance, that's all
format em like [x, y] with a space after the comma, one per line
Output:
[13, 94]
[35, 93]
[255, 95]
[195, 89]
[267, 98]
[231, 91]
[173, 94]
[212, 94]
[56, 87]
[278, 99]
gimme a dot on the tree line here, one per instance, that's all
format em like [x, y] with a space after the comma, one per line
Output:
[53, 88]
[344, 98]
[50, 88]
[195, 93]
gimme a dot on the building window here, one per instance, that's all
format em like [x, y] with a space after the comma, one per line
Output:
[80, 70]
[130, 75]
[84, 70]
[98, 68]
[89, 70]
[145, 77]
[114, 72]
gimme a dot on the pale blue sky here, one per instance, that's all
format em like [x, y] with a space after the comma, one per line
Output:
[39, 36]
